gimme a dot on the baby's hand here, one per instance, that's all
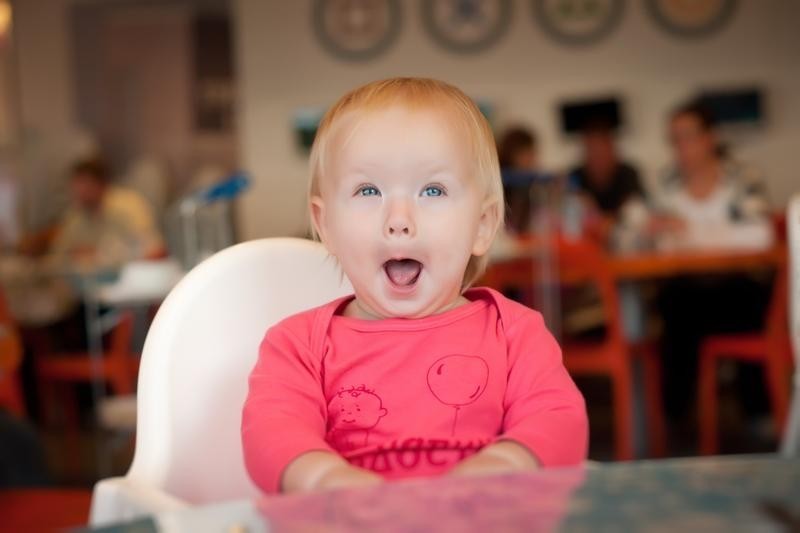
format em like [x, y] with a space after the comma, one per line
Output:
[346, 475]
[500, 458]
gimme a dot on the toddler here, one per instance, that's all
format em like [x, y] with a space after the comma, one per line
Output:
[416, 374]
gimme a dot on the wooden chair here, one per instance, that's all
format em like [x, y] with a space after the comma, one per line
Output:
[10, 358]
[118, 368]
[769, 348]
[584, 263]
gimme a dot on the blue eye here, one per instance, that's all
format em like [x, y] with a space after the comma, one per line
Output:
[368, 190]
[433, 190]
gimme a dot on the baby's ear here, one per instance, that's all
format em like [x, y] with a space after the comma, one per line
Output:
[317, 207]
[487, 227]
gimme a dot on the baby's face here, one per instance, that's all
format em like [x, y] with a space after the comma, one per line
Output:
[402, 211]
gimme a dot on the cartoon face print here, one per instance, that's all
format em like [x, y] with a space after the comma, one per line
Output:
[458, 380]
[356, 408]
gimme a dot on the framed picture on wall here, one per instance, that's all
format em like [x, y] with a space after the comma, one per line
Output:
[576, 115]
[305, 123]
[356, 30]
[578, 22]
[466, 26]
[692, 18]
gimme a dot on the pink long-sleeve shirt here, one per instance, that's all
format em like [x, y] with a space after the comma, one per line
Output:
[410, 397]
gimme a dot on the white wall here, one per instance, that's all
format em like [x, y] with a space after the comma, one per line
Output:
[41, 31]
[8, 109]
[281, 67]
[47, 87]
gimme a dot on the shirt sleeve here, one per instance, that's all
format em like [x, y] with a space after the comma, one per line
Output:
[633, 182]
[67, 234]
[544, 411]
[140, 223]
[285, 412]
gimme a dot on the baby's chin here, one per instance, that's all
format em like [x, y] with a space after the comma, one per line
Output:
[382, 307]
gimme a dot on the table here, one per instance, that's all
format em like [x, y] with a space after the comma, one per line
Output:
[628, 271]
[734, 493]
[649, 265]
[643, 265]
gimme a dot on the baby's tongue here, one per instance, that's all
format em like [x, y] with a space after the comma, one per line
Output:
[403, 271]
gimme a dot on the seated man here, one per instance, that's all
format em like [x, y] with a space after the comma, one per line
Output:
[106, 225]
[609, 181]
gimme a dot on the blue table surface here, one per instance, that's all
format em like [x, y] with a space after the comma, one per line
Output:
[734, 493]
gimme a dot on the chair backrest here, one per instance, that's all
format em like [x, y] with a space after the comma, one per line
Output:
[199, 352]
[777, 320]
[10, 359]
[10, 346]
[580, 262]
[791, 442]
[122, 361]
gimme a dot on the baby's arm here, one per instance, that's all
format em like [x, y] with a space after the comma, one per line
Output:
[545, 421]
[284, 419]
[499, 458]
[324, 470]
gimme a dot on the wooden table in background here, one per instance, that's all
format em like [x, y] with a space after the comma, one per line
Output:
[648, 265]
[640, 266]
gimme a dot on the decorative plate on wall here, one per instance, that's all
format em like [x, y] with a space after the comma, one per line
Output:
[356, 30]
[691, 18]
[577, 22]
[466, 26]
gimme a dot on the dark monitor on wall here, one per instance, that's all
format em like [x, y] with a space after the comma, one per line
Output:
[735, 106]
[577, 115]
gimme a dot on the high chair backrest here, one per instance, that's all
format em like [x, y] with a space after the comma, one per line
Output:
[199, 352]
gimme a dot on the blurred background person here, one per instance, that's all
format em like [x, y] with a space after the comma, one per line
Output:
[106, 225]
[517, 150]
[608, 182]
[708, 200]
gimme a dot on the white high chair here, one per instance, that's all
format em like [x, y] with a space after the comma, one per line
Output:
[193, 375]
[791, 440]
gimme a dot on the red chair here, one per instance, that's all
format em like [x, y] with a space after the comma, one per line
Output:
[10, 358]
[118, 368]
[584, 263]
[770, 348]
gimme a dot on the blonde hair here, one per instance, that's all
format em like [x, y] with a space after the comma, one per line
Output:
[418, 93]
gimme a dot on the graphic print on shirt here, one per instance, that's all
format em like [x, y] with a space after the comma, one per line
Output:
[355, 411]
[458, 380]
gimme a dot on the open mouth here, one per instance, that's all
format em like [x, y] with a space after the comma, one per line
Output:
[403, 272]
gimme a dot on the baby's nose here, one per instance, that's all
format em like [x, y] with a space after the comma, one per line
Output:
[400, 220]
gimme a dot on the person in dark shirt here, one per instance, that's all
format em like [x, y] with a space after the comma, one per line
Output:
[607, 180]
[517, 153]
